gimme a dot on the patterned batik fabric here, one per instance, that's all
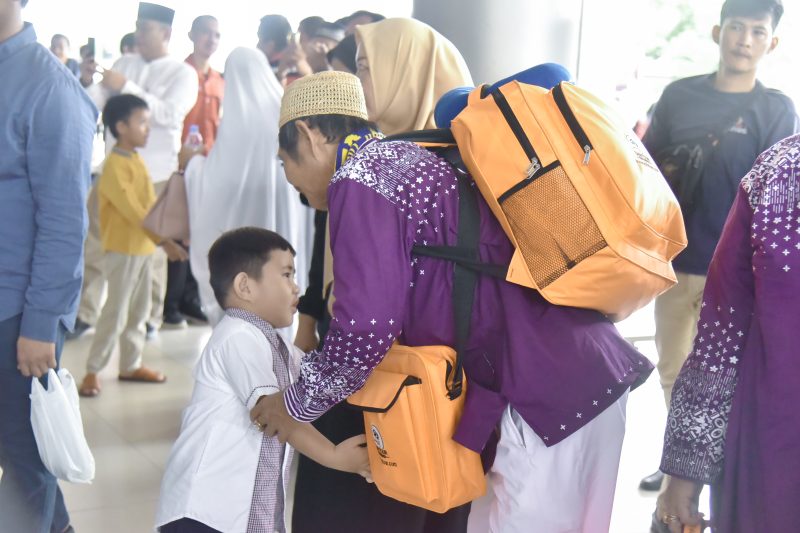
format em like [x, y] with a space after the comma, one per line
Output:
[274, 462]
[413, 183]
[757, 260]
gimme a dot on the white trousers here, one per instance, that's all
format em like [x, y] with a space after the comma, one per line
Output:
[567, 488]
[122, 320]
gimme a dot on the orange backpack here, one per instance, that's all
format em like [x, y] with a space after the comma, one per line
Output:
[592, 219]
[594, 225]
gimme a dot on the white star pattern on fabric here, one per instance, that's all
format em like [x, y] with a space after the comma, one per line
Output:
[703, 394]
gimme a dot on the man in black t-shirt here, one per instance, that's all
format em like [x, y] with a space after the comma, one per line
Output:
[744, 118]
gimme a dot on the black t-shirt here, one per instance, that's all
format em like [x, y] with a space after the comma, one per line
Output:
[692, 107]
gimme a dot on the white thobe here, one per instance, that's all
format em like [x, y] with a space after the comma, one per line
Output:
[211, 470]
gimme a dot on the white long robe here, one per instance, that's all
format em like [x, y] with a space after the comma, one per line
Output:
[241, 182]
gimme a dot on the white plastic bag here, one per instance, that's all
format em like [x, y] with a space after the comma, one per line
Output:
[58, 428]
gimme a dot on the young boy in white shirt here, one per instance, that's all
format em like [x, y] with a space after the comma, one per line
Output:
[223, 474]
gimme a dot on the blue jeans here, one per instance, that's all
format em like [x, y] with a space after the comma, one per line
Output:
[30, 500]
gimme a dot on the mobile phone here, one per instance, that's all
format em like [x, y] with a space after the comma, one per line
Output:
[92, 47]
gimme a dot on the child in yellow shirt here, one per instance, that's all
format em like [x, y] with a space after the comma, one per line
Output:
[125, 196]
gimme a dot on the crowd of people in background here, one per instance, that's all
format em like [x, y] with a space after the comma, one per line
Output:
[288, 175]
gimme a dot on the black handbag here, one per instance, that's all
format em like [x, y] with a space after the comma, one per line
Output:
[682, 166]
[683, 163]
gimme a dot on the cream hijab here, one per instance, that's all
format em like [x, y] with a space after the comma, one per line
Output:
[411, 66]
[241, 182]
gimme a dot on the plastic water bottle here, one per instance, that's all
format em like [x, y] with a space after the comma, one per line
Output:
[194, 140]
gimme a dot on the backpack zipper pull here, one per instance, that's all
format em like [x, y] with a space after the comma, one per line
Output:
[587, 150]
[534, 167]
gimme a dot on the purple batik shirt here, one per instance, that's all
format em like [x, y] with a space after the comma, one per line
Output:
[733, 420]
[559, 367]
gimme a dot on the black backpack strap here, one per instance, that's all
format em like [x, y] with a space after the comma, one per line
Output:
[465, 254]
[461, 256]
[432, 136]
[467, 266]
[464, 279]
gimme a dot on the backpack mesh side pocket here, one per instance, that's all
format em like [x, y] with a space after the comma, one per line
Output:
[552, 226]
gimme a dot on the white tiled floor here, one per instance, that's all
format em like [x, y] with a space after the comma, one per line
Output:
[130, 428]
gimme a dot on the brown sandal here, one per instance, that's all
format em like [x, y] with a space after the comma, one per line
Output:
[90, 386]
[144, 375]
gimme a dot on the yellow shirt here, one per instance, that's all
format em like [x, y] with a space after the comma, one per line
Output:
[125, 194]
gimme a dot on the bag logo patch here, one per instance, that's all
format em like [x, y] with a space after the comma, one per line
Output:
[384, 455]
[642, 155]
[376, 436]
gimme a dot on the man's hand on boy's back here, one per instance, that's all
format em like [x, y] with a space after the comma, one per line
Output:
[271, 417]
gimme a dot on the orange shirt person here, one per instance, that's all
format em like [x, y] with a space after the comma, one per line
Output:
[206, 111]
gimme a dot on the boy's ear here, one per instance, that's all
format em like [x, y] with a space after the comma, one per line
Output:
[241, 287]
[715, 33]
[121, 126]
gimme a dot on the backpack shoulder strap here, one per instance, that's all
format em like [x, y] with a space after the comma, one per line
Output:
[427, 138]
[464, 278]
[467, 266]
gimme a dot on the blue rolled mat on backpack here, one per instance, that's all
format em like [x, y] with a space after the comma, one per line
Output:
[546, 75]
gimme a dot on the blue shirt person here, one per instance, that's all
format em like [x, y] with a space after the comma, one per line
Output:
[46, 127]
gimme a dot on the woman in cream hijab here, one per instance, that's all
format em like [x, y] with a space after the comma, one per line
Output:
[404, 66]
[241, 181]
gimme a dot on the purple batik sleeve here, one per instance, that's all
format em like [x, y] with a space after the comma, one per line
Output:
[703, 393]
[372, 269]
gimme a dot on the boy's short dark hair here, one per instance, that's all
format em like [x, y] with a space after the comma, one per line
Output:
[332, 127]
[241, 250]
[752, 9]
[119, 108]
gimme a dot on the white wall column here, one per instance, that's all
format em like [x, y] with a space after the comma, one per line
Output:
[501, 37]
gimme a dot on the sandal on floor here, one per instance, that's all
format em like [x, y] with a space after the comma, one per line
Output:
[144, 375]
[90, 386]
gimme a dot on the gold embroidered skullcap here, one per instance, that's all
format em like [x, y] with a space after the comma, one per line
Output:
[324, 93]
